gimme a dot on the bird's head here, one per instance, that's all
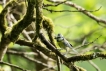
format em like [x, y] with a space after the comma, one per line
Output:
[59, 37]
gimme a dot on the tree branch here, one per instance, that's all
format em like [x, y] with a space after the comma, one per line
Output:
[15, 66]
[11, 35]
[23, 23]
[94, 65]
[81, 9]
[51, 47]
[3, 26]
[23, 54]
[38, 47]
[39, 17]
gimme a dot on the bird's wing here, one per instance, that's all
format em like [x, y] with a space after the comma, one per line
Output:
[69, 45]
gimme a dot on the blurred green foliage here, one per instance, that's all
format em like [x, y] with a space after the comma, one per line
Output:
[73, 25]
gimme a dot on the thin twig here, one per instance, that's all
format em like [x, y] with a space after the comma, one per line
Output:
[46, 5]
[94, 65]
[88, 43]
[68, 10]
[58, 63]
[79, 8]
[23, 54]
[39, 62]
[12, 65]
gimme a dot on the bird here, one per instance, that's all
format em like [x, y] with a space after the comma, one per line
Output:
[64, 44]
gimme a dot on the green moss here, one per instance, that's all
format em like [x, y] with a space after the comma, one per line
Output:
[23, 23]
[3, 26]
[48, 26]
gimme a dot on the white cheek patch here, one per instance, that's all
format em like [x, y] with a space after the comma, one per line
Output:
[61, 39]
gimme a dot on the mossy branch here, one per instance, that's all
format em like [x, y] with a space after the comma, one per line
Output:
[37, 47]
[23, 23]
[49, 27]
[4, 29]
[39, 17]
[12, 34]
[3, 13]
[86, 57]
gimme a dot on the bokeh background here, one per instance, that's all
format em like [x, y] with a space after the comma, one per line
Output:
[74, 26]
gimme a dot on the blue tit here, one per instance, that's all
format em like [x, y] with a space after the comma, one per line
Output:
[63, 43]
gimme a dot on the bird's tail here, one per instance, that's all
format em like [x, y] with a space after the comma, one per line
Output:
[74, 50]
